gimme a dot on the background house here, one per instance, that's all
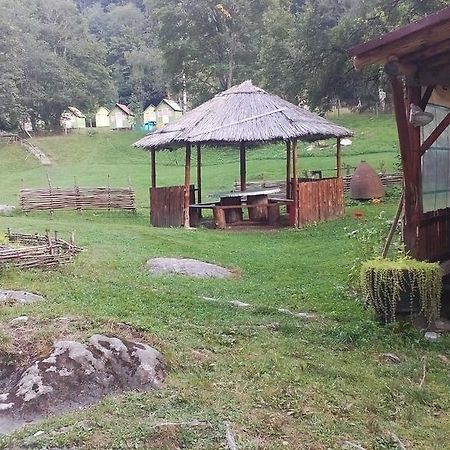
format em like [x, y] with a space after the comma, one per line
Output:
[150, 114]
[167, 111]
[121, 117]
[102, 117]
[73, 118]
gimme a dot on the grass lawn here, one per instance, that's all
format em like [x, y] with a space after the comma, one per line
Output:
[280, 381]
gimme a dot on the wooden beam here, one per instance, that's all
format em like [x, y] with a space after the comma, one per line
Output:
[426, 97]
[295, 178]
[199, 173]
[431, 139]
[187, 186]
[409, 229]
[153, 168]
[288, 169]
[395, 68]
[338, 158]
[243, 166]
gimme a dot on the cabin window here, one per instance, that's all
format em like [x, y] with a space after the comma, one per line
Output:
[436, 164]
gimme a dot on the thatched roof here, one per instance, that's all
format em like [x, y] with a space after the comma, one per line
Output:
[243, 113]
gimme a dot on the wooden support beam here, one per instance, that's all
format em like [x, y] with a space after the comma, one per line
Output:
[288, 169]
[431, 139]
[153, 167]
[187, 186]
[408, 164]
[338, 158]
[199, 173]
[243, 166]
[295, 181]
[426, 97]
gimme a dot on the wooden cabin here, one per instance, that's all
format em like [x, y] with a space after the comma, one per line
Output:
[73, 118]
[168, 111]
[416, 58]
[102, 117]
[121, 117]
[150, 114]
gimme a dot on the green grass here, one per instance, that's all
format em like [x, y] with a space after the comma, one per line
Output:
[281, 382]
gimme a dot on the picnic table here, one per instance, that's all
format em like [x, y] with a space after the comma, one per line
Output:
[258, 200]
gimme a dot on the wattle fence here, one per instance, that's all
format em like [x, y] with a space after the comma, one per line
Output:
[34, 250]
[77, 198]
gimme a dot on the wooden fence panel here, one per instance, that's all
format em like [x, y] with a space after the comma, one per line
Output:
[320, 200]
[77, 198]
[167, 206]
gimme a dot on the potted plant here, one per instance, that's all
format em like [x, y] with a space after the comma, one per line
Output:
[404, 286]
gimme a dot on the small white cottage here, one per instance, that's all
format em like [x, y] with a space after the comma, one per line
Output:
[102, 117]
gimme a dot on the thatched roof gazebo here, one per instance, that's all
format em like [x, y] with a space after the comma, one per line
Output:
[242, 114]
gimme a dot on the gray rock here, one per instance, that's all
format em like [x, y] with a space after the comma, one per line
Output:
[75, 375]
[431, 336]
[6, 210]
[191, 267]
[21, 319]
[18, 297]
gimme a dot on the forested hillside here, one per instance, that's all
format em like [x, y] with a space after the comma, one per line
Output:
[90, 52]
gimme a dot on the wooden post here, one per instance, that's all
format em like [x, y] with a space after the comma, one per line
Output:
[288, 169]
[243, 166]
[338, 158]
[295, 183]
[187, 186]
[410, 157]
[153, 163]
[199, 174]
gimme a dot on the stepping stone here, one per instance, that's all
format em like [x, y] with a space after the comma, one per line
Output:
[184, 266]
[18, 297]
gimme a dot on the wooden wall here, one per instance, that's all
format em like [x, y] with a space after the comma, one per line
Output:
[167, 206]
[320, 200]
[433, 236]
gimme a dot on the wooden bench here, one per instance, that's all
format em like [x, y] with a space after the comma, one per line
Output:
[273, 211]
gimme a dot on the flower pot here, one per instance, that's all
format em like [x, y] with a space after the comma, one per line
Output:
[404, 288]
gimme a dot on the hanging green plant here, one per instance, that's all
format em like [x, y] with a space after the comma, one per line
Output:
[405, 286]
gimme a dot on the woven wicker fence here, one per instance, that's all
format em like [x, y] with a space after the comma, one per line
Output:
[33, 250]
[387, 179]
[77, 198]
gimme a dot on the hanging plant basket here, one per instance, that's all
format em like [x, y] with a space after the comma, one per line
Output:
[401, 288]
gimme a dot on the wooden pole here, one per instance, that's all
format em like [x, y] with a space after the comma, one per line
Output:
[187, 186]
[153, 162]
[288, 169]
[199, 173]
[338, 158]
[243, 166]
[410, 158]
[391, 233]
[295, 177]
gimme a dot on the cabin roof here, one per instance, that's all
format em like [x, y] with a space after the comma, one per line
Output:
[76, 112]
[422, 47]
[125, 109]
[174, 105]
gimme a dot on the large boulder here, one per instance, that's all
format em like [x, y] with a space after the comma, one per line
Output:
[75, 375]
